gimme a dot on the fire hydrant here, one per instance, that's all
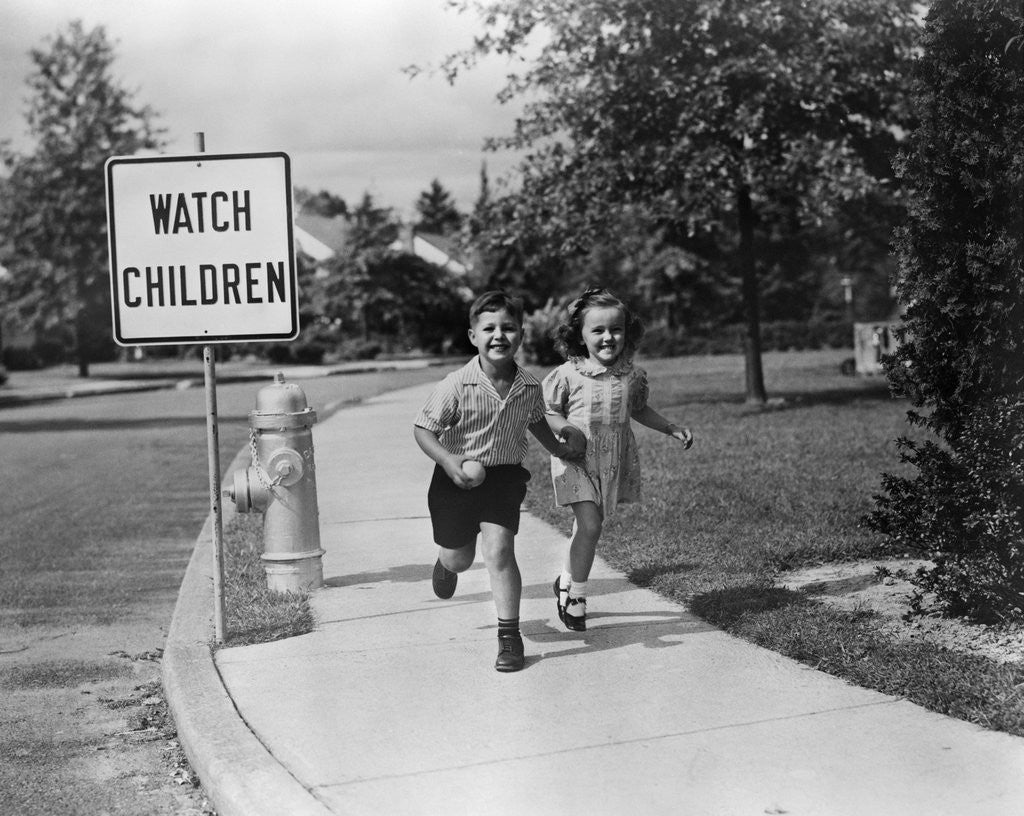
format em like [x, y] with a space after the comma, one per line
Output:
[281, 484]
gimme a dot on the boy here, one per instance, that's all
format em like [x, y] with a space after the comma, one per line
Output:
[482, 412]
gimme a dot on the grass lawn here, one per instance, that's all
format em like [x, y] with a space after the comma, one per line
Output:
[765, 490]
[762, 490]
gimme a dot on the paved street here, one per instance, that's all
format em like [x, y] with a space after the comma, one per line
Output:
[102, 500]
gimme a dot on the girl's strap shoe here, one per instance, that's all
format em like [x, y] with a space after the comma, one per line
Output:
[576, 614]
[558, 600]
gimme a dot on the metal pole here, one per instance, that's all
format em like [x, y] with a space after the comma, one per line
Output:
[213, 454]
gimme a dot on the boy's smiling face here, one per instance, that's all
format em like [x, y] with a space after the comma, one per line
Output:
[497, 336]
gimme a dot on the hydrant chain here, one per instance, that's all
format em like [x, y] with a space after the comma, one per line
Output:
[261, 473]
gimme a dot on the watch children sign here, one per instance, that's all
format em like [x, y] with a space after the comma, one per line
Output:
[201, 249]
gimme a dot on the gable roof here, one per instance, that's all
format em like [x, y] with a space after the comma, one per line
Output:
[320, 237]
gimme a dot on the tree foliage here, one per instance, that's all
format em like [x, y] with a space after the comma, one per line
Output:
[437, 211]
[961, 257]
[717, 119]
[320, 203]
[52, 205]
[377, 292]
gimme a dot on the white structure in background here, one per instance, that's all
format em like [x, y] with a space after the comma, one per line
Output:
[433, 248]
[322, 238]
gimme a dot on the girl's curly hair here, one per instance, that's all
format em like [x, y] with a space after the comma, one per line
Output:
[569, 336]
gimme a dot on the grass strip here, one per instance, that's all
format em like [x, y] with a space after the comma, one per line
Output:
[767, 490]
[254, 613]
[856, 646]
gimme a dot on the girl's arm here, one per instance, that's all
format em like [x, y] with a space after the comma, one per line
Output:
[568, 433]
[652, 419]
[567, 449]
[432, 447]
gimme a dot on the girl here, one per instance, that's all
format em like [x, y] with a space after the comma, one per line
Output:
[595, 393]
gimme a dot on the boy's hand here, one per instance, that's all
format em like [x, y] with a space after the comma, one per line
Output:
[575, 441]
[453, 467]
[683, 435]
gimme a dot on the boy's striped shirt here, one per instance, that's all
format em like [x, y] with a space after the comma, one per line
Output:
[471, 420]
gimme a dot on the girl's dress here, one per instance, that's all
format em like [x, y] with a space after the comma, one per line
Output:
[599, 401]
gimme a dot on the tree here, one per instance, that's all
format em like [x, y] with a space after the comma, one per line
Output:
[322, 203]
[961, 278]
[719, 119]
[52, 206]
[437, 210]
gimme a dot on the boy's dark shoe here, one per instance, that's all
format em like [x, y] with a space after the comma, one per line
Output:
[510, 653]
[444, 581]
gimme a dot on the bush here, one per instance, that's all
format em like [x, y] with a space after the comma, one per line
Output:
[21, 358]
[539, 330]
[359, 349]
[968, 515]
[962, 278]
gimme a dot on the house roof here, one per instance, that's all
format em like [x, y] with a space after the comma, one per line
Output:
[320, 237]
[447, 245]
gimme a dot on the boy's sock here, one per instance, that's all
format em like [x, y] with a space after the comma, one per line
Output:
[510, 646]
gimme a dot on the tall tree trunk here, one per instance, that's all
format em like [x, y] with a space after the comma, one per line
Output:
[81, 315]
[81, 344]
[751, 301]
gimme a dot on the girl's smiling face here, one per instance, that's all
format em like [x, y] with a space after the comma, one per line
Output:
[604, 333]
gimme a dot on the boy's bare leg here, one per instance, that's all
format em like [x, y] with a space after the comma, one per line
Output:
[457, 559]
[450, 562]
[497, 545]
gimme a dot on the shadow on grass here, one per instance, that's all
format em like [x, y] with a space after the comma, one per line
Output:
[723, 607]
[645, 576]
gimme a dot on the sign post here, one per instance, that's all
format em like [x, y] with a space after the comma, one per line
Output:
[202, 252]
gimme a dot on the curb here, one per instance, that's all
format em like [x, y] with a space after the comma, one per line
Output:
[94, 388]
[100, 388]
[239, 775]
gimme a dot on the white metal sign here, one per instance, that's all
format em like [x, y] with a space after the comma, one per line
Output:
[201, 249]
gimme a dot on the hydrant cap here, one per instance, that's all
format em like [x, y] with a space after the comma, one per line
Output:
[281, 398]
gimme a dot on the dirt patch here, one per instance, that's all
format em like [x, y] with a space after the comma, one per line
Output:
[861, 585]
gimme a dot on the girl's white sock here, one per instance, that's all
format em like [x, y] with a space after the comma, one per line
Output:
[578, 589]
[565, 579]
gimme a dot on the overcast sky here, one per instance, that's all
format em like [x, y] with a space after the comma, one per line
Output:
[319, 79]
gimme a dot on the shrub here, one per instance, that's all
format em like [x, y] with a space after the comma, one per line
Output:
[962, 280]
[21, 358]
[539, 329]
[359, 349]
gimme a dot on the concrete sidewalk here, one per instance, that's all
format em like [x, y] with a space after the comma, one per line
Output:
[392, 705]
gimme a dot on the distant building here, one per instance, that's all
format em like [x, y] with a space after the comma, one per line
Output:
[319, 237]
[439, 250]
[322, 238]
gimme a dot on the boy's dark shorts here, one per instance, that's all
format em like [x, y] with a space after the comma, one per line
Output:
[456, 514]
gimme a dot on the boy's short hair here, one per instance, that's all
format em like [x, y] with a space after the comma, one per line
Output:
[495, 301]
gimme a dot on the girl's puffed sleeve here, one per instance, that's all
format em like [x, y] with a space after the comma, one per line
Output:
[639, 391]
[556, 393]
